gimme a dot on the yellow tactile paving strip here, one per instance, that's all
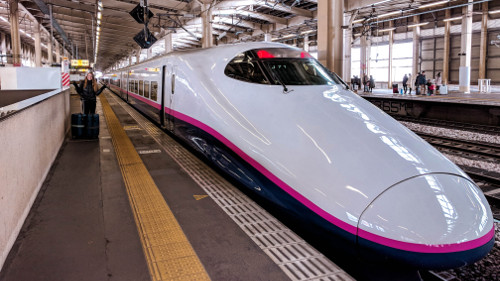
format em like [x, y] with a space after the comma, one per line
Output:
[169, 254]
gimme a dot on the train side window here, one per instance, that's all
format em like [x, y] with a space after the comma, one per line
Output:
[130, 85]
[243, 67]
[154, 90]
[141, 87]
[146, 89]
[136, 87]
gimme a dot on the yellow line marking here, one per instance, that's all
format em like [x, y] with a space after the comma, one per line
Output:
[199, 197]
[168, 253]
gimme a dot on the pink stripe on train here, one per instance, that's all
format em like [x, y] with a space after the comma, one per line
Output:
[413, 247]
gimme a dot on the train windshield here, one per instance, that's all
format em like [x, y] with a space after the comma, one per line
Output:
[280, 66]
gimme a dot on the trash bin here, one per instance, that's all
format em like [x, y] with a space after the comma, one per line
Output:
[443, 90]
[395, 88]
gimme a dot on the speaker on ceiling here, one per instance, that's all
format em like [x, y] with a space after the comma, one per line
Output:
[138, 13]
[145, 41]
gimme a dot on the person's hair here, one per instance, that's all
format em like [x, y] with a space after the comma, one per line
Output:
[94, 83]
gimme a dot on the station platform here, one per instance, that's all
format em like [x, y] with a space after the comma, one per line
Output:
[453, 96]
[136, 205]
[465, 108]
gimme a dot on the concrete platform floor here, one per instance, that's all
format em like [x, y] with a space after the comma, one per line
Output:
[81, 226]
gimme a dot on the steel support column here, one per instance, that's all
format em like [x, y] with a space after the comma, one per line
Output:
[365, 52]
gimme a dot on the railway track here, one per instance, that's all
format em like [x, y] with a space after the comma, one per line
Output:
[495, 130]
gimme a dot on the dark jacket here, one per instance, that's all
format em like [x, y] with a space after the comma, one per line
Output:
[422, 80]
[88, 93]
[405, 79]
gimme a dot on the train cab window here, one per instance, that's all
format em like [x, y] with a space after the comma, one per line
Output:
[246, 68]
[287, 66]
[141, 87]
[154, 90]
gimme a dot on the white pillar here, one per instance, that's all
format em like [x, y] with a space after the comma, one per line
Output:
[149, 52]
[58, 53]
[138, 55]
[206, 18]
[306, 43]
[49, 51]
[416, 49]
[347, 54]
[391, 44]
[3, 45]
[365, 51]
[330, 34]
[3, 49]
[466, 48]
[38, 46]
[169, 44]
[268, 37]
[446, 53]
[484, 42]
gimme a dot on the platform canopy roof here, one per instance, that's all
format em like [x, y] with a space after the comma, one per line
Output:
[75, 22]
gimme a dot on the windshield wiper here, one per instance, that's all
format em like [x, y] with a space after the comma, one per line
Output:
[277, 79]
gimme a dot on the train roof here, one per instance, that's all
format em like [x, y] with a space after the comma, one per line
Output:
[217, 51]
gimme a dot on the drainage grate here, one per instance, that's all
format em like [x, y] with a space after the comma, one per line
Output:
[299, 260]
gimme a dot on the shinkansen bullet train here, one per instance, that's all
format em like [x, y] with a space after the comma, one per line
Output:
[274, 119]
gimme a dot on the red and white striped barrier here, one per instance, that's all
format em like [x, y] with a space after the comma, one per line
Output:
[65, 79]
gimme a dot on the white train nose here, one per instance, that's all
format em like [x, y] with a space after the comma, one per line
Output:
[433, 214]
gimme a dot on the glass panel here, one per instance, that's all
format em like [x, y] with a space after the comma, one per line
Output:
[154, 90]
[245, 68]
[146, 89]
[141, 87]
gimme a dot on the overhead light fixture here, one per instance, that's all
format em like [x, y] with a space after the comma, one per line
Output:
[434, 4]
[494, 12]
[99, 15]
[418, 24]
[387, 29]
[452, 19]
[389, 14]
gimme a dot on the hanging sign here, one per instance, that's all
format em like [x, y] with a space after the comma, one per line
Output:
[80, 63]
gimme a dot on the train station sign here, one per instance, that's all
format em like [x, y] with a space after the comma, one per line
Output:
[80, 63]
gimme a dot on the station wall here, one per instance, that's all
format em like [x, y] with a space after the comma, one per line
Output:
[30, 140]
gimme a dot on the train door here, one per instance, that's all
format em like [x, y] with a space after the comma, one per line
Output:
[168, 92]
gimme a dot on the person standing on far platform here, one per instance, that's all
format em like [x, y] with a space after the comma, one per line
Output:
[372, 83]
[88, 93]
[438, 82]
[405, 83]
[423, 83]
